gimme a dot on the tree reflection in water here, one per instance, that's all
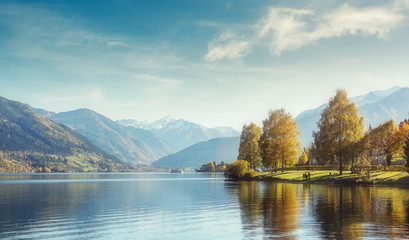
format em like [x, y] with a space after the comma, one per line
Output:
[288, 211]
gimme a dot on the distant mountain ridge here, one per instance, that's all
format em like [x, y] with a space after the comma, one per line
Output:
[127, 143]
[180, 133]
[142, 144]
[42, 112]
[30, 140]
[216, 149]
[376, 107]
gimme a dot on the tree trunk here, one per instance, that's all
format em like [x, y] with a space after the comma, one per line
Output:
[388, 158]
[340, 165]
[282, 163]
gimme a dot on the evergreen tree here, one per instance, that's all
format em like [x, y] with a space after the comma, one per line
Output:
[339, 129]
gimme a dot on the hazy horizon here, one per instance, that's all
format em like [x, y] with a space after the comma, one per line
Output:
[219, 63]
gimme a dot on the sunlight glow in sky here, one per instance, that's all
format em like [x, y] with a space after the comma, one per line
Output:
[210, 62]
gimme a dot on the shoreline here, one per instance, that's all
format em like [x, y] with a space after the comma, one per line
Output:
[389, 178]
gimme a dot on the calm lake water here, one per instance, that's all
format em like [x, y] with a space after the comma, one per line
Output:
[194, 206]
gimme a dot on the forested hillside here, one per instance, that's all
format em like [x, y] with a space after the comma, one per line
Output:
[31, 142]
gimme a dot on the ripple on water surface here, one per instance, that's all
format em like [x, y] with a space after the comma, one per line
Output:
[193, 206]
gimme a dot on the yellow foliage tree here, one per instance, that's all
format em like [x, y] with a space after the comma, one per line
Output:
[210, 167]
[379, 141]
[339, 129]
[279, 141]
[397, 141]
[387, 139]
[237, 169]
[249, 149]
[303, 158]
[221, 167]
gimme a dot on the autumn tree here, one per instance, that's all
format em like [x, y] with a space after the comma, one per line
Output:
[339, 129]
[210, 167]
[406, 151]
[221, 167]
[269, 154]
[303, 158]
[397, 141]
[249, 149]
[380, 141]
[367, 149]
[279, 141]
[387, 140]
[237, 169]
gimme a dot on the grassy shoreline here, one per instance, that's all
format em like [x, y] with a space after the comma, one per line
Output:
[322, 176]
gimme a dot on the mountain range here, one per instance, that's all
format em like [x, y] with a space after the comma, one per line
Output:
[134, 142]
[29, 142]
[127, 143]
[180, 133]
[376, 107]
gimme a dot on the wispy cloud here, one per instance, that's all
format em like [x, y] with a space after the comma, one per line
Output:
[69, 45]
[289, 29]
[226, 46]
[286, 29]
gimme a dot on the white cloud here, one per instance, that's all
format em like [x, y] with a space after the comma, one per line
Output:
[289, 29]
[286, 29]
[373, 21]
[227, 47]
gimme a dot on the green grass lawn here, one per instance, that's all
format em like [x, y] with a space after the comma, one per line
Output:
[378, 177]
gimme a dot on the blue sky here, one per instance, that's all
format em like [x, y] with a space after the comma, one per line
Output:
[210, 62]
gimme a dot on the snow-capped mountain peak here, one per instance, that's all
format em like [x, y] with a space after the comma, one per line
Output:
[181, 133]
[134, 123]
[161, 123]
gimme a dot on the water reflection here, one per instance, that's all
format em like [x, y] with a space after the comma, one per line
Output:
[288, 211]
[194, 206]
[121, 206]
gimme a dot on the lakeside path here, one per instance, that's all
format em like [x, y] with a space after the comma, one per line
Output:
[378, 177]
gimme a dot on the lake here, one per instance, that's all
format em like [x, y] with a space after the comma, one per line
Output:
[194, 206]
